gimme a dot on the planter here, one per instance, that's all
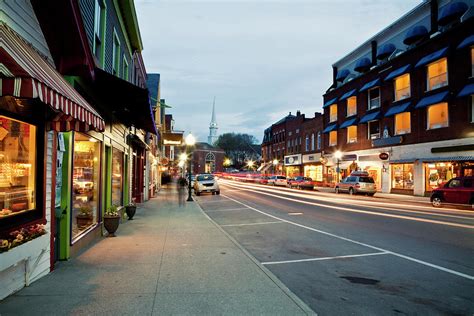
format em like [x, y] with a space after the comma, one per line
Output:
[30, 249]
[83, 221]
[131, 210]
[111, 223]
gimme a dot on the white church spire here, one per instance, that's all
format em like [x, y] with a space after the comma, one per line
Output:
[211, 139]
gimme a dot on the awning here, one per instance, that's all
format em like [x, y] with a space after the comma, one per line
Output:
[468, 41]
[452, 158]
[341, 75]
[397, 109]
[349, 122]
[385, 50]
[398, 72]
[25, 74]
[330, 128]
[370, 85]
[348, 94]
[370, 117]
[467, 90]
[332, 101]
[432, 99]
[128, 102]
[415, 34]
[362, 64]
[452, 12]
[432, 57]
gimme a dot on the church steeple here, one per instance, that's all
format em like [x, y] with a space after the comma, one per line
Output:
[211, 139]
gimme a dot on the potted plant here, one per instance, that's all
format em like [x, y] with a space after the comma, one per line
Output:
[130, 209]
[111, 220]
[84, 217]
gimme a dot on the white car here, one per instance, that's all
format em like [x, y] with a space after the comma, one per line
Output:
[206, 183]
[278, 180]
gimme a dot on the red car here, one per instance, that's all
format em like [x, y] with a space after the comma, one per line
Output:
[458, 190]
[301, 183]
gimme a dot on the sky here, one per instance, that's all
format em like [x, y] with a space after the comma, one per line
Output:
[260, 59]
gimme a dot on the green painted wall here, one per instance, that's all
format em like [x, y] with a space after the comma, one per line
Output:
[125, 182]
[66, 191]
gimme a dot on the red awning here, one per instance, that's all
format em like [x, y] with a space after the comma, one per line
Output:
[24, 73]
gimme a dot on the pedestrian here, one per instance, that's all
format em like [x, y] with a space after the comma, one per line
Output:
[181, 191]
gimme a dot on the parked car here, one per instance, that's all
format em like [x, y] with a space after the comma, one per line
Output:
[206, 183]
[277, 180]
[301, 183]
[357, 182]
[193, 179]
[263, 180]
[459, 190]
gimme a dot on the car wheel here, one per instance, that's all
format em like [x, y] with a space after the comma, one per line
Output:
[351, 191]
[436, 201]
[337, 190]
[218, 192]
[370, 194]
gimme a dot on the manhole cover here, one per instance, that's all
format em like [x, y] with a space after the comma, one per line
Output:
[359, 280]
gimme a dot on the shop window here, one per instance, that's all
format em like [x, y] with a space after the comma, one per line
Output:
[352, 134]
[86, 184]
[374, 98]
[333, 113]
[352, 106]
[117, 177]
[402, 87]
[402, 176]
[17, 168]
[314, 172]
[374, 129]
[403, 123]
[116, 55]
[333, 138]
[438, 173]
[438, 116]
[437, 74]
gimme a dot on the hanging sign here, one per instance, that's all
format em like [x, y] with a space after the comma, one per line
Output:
[383, 156]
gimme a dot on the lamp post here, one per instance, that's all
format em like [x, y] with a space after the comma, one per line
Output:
[190, 141]
[338, 155]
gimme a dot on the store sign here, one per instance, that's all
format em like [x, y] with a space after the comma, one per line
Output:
[383, 156]
[311, 158]
[172, 139]
[293, 160]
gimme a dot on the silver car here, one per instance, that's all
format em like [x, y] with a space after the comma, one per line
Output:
[357, 183]
[206, 183]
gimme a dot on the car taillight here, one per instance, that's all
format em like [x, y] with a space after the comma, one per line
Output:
[357, 185]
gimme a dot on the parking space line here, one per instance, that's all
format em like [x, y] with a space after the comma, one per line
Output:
[252, 224]
[211, 201]
[228, 209]
[463, 275]
[327, 258]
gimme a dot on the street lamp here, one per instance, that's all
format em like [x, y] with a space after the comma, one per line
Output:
[338, 156]
[190, 141]
[227, 162]
[250, 164]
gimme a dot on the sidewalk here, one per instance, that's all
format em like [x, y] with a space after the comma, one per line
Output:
[168, 260]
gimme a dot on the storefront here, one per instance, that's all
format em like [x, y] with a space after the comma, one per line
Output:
[293, 165]
[117, 178]
[313, 168]
[402, 178]
[440, 170]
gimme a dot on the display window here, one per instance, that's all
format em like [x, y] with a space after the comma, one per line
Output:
[18, 172]
[314, 172]
[117, 177]
[402, 176]
[438, 173]
[86, 184]
[292, 172]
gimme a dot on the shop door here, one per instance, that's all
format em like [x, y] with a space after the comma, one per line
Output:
[137, 182]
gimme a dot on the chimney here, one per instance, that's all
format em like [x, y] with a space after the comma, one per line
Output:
[298, 113]
[374, 52]
[334, 75]
[289, 114]
[434, 16]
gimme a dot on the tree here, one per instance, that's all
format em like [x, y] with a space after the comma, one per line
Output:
[239, 148]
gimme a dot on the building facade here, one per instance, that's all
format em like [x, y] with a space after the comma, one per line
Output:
[207, 159]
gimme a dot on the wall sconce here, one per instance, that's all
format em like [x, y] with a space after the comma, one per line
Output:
[384, 169]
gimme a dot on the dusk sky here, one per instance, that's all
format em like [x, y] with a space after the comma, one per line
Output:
[260, 59]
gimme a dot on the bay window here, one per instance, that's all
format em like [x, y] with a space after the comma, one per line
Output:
[403, 123]
[352, 106]
[374, 98]
[402, 87]
[333, 113]
[352, 134]
[333, 138]
[437, 116]
[437, 74]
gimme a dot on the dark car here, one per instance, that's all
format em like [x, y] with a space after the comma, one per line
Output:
[459, 190]
[301, 183]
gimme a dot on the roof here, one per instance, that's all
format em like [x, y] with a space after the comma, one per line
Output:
[206, 146]
[289, 116]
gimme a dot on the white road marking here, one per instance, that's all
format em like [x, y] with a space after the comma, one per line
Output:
[467, 276]
[252, 224]
[416, 219]
[228, 209]
[327, 258]
[295, 213]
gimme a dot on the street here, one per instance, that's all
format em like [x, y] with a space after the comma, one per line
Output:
[353, 255]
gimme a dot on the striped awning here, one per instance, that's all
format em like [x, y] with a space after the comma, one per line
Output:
[24, 73]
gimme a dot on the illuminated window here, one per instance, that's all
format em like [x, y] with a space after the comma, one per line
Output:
[117, 176]
[374, 98]
[352, 134]
[472, 61]
[437, 74]
[17, 167]
[352, 106]
[438, 116]
[333, 113]
[333, 138]
[374, 129]
[402, 87]
[402, 123]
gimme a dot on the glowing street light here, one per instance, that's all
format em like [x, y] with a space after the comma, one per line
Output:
[227, 162]
[190, 140]
[183, 157]
[250, 164]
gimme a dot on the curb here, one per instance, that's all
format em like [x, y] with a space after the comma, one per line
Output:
[302, 305]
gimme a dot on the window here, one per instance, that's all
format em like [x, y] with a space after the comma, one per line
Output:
[333, 113]
[125, 68]
[99, 30]
[117, 177]
[402, 123]
[402, 87]
[472, 61]
[319, 140]
[438, 116]
[472, 108]
[437, 74]
[307, 143]
[297, 131]
[288, 144]
[352, 106]
[312, 141]
[402, 176]
[374, 129]
[289, 133]
[352, 134]
[374, 98]
[17, 167]
[116, 55]
[333, 138]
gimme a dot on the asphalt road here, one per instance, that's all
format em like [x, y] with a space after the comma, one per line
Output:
[354, 255]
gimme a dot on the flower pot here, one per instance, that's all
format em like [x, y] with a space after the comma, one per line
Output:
[83, 221]
[130, 209]
[111, 223]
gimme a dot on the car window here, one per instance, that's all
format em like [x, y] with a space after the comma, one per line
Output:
[205, 177]
[281, 177]
[454, 183]
[350, 179]
[468, 183]
[366, 179]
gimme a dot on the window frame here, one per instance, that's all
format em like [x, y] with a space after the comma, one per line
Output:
[354, 140]
[116, 54]
[369, 99]
[428, 88]
[329, 138]
[428, 116]
[395, 87]
[100, 16]
[395, 132]
[355, 106]
[333, 116]
[369, 134]
[125, 68]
